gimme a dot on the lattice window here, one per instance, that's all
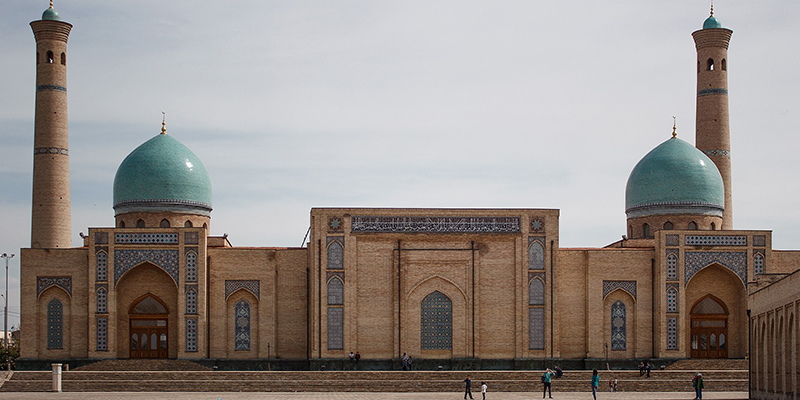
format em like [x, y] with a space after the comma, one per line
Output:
[335, 328]
[242, 329]
[191, 266]
[102, 334]
[191, 334]
[536, 256]
[672, 300]
[536, 292]
[536, 328]
[335, 291]
[55, 325]
[102, 266]
[335, 256]
[672, 267]
[437, 322]
[191, 301]
[618, 326]
[758, 264]
[672, 333]
[102, 301]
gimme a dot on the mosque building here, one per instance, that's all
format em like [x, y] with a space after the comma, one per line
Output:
[459, 288]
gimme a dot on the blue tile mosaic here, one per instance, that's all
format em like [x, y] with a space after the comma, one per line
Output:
[672, 333]
[102, 266]
[335, 328]
[57, 88]
[253, 286]
[628, 286]
[335, 291]
[713, 91]
[535, 255]
[191, 301]
[55, 325]
[436, 332]
[672, 300]
[102, 334]
[672, 264]
[242, 329]
[422, 224]
[335, 254]
[735, 261]
[715, 240]
[536, 292]
[44, 282]
[758, 263]
[335, 225]
[618, 326]
[102, 301]
[537, 224]
[536, 328]
[191, 334]
[146, 238]
[191, 266]
[164, 259]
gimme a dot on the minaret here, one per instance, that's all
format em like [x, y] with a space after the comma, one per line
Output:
[713, 135]
[50, 216]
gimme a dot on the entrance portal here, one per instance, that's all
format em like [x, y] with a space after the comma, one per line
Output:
[148, 328]
[709, 328]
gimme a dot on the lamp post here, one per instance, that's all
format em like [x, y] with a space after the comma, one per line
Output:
[5, 312]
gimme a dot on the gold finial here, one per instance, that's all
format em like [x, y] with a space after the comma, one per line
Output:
[712, 8]
[51, 3]
[674, 127]
[163, 123]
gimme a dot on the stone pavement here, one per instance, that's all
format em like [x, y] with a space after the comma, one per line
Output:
[369, 396]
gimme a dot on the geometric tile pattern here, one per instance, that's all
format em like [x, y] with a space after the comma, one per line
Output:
[191, 334]
[536, 328]
[164, 259]
[55, 324]
[101, 237]
[335, 328]
[535, 254]
[190, 238]
[44, 282]
[102, 334]
[335, 253]
[146, 238]
[191, 301]
[335, 225]
[537, 225]
[758, 264]
[672, 333]
[242, 323]
[759, 240]
[102, 301]
[536, 292]
[716, 240]
[628, 286]
[253, 286]
[191, 266]
[735, 261]
[673, 240]
[618, 325]
[672, 300]
[437, 322]
[335, 292]
[672, 264]
[102, 266]
[421, 224]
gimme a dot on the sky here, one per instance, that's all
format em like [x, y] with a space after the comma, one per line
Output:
[459, 104]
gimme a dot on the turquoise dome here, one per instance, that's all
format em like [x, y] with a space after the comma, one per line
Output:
[50, 15]
[712, 23]
[162, 175]
[674, 178]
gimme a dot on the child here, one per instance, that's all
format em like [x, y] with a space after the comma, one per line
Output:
[483, 390]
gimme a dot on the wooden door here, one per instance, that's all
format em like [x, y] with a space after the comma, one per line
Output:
[709, 338]
[148, 338]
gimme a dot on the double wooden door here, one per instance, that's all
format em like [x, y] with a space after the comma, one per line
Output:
[709, 337]
[149, 338]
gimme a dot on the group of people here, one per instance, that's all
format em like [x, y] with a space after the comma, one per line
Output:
[468, 388]
[406, 360]
[355, 357]
[645, 368]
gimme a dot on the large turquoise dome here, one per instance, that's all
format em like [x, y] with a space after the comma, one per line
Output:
[162, 175]
[674, 178]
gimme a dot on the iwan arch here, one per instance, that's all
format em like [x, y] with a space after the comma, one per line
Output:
[463, 288]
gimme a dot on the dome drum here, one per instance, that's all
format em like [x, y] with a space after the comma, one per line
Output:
[174, 206]
[673, 208]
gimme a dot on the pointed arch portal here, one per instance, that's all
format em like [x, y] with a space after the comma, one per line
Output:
[149, 320]
[709, 328]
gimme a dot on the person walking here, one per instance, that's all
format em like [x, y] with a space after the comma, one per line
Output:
[405, 362]
[483, 390]
[649, 367]
[697, 384]
[467, 388]
[547, 379]
[595, 383]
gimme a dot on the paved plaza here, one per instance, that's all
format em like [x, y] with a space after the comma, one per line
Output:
[370, 396]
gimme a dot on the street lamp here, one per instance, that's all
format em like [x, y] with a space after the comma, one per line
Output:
[5, 312]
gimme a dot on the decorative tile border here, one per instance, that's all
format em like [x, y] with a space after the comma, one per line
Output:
[146, 238]
[50, 150]
[56, 88]
[423, 224]
[735, 261]
[253, 286]
[715, 240]
[628, 286]
[164, 259]
[717, 152]
[45, 282]
[710, 92]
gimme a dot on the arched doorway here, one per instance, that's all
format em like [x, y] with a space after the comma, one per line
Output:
[709, 336]
[149, 323]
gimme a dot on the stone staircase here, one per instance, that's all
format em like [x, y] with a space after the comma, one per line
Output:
[84, 380]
